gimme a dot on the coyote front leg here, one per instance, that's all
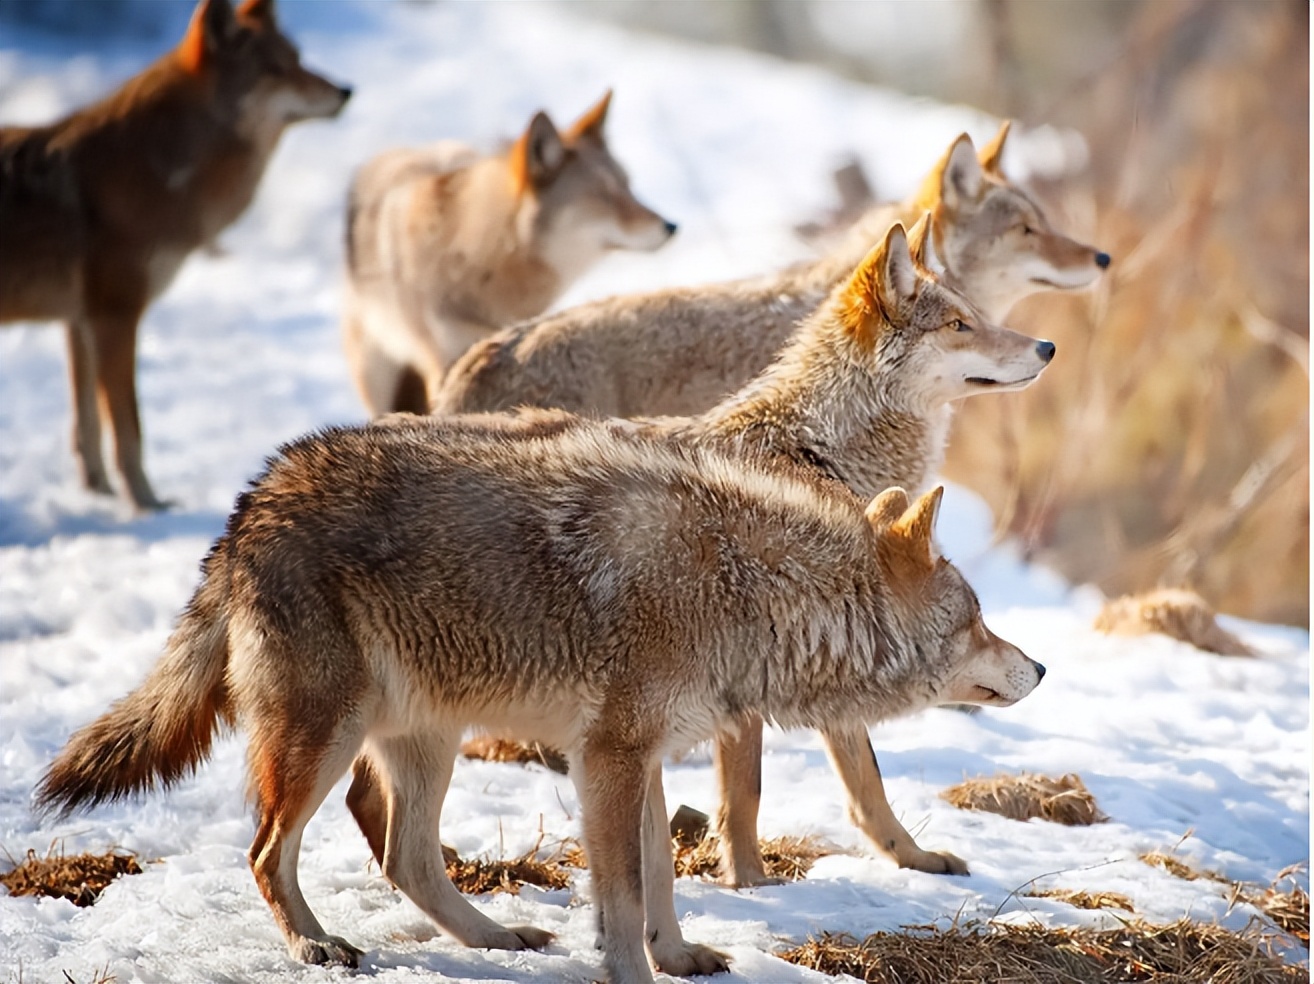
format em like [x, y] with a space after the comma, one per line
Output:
[851, 754]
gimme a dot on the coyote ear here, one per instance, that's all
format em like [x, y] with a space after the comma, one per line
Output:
[993, 153]
[882, 284]
[917, 526]
[961, 176]
[211, 27]
[884, 510]
[591, 123]
[919, 243]
[260, 11]
[538, 154]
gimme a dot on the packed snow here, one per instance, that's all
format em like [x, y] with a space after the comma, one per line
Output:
[1185, 751]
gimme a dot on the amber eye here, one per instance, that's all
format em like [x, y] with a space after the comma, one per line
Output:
[960, 325]
[1028, 231]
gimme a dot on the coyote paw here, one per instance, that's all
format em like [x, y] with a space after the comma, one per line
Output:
[935, 863]
[691, 959]
[532, 936]
[329, 950]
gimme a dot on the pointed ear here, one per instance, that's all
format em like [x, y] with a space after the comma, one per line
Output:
[992, 154]
[258, 11]
[591, 123]
[884, 510]
[212, 25]
[917, 525]
[961, 176]
[538, 154]
[882, 284]
[919, 243]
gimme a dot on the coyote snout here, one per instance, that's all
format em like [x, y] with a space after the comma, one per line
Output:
[995, 672]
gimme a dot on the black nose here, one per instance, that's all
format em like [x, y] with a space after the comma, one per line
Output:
[345, 92]
[671, 227]
[1040, 671]
[1102, 260]
[1045, 350]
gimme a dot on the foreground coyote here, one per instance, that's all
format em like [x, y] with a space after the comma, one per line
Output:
[679, 351]
[100, 210]
[445, 247]
[863, 395]
[620, 597]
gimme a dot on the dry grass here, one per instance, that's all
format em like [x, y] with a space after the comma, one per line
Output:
[480, 876]
[502, 750]
[79, 878]
[1180, 953]
[1178, 868]
[1084, 900]
[790, 858]
[1287, 908]
[1168, 443]
[1024, 797]
[1181, 615]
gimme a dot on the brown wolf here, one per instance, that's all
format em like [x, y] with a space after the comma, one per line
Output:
[445, 247]
[679, 351]
[100, 209]
[863, 395]
[558, 579]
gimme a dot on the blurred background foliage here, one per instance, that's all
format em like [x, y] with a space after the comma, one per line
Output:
[1168, 445]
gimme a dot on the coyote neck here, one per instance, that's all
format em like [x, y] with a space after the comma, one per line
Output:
[821, 409]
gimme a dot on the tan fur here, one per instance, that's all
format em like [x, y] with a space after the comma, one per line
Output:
[100, 210]
[444, 247]
[614, 595]
[1179, 614]
[861, 395]
[679, 351]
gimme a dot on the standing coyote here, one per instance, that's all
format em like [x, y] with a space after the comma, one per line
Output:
[620, 597]
[445, 247]
[679, 351]
[861, 395]
[100, 210]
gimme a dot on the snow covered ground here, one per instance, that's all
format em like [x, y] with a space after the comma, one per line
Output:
[243, 353]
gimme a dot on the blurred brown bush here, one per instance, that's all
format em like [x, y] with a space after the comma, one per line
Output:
[1168, 444]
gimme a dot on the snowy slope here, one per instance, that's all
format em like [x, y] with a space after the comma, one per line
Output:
[243, 353]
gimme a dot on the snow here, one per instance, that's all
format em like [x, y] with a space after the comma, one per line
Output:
[1184, 750]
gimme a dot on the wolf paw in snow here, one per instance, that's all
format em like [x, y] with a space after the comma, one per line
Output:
[691, 959]
[935, 863]
[532, 936]
[329, 950]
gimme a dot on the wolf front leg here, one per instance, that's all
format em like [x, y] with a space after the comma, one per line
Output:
[739, 774]
[851, 754]
[666, 944]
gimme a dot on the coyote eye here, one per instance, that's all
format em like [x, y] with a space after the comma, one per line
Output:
[1027, 230]
[958, 324]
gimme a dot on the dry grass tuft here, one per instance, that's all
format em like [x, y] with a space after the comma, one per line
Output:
[1180, 953]
[480, 876]
[502, 750]
[1181, 615]
[80, 878]
[1064, 800]
[1289, 910]
[790, 858]
[1178, 868]
[1085, 900]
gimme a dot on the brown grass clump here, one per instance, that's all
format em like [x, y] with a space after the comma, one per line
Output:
[1022, 797]
[1289, 910]
[790, 858]
[1181, 615]
[1181, 953]
[480, 876]
[80, 878]
[1084, 900]
[1178, 868]
[502, 750]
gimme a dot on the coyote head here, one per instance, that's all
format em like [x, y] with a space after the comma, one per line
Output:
[577, 196]
[255, 71]
[996, 241]
[927, 342]
[937, 613]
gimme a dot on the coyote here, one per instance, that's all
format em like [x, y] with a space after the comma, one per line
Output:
[861, 395]
[100, 210]
[551, 577]
[680, 351]
[445, 247]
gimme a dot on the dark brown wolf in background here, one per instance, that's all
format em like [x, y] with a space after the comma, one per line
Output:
[100, 210]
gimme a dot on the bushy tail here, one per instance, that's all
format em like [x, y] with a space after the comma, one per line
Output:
[162, 730]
